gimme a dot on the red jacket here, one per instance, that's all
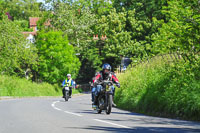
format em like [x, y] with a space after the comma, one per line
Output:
[101, 76]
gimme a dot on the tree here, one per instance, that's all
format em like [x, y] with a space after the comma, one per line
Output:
[181, 30]
[17, 56]
[118, 39]
[22, 9]
[56, 57]
[76, 23]
[144, 9]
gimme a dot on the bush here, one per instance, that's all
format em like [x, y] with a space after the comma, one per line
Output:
[159, 88]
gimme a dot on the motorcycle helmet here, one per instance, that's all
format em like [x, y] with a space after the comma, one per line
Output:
[106, 66]
[68, 75]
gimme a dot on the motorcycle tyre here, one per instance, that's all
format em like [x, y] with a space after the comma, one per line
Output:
[66, 95]
[109, 105]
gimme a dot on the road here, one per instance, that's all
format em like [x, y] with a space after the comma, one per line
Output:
[53, 115]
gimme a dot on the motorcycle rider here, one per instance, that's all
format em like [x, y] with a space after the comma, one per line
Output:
[105, 74]
[71, 84]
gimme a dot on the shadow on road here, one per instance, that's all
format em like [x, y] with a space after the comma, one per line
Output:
[142, 119]
[126, 113]
[139, 119]
[140, 129]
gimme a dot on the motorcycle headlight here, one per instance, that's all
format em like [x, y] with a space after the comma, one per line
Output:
[66, 88]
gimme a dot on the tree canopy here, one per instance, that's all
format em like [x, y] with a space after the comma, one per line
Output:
[134, 28]
[17, 55]
[56, 57]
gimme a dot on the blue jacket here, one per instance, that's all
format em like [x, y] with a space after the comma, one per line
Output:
[63, 83]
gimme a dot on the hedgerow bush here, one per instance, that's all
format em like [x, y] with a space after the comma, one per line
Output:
[162, 88]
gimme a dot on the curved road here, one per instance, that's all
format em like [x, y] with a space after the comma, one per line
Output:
[53, 115]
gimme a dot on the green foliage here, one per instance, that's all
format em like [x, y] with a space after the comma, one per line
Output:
[22, 9]
[119, 40]
[24, 24]
[145, 9]
[162, 89]
[56, 57]
[73, 22]
[91, 62]
[99, 7]
[20, 87]
[76, 23]
[13, 86]
[180, 32]
[17, 56]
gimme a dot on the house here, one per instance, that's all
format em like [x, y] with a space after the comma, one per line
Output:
[33, 23]
[30, 36]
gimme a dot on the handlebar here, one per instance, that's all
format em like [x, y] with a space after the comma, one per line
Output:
[105, 82]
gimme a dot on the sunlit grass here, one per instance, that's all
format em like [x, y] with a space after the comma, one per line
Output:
[161, 87]
[14, 86]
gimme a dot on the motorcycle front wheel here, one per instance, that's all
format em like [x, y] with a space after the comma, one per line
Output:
[109, 105]
[66, 95]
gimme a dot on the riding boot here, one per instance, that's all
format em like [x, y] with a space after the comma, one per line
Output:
[70, 92]
[92, 96]
[94, 103]
[63, 93]
[95, 100]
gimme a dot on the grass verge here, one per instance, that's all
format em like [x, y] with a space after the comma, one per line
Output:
[161, 88]
[17, 87]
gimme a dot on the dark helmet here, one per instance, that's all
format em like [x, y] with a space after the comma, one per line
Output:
[106, 66]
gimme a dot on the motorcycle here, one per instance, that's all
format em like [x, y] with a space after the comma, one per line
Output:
[104, 100]
[66, 92]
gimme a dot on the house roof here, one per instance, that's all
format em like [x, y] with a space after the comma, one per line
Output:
[33, 21]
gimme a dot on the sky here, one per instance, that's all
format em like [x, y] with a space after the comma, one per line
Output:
[40, 1]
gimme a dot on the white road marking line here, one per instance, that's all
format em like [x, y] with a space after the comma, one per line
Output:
[111, 123]
[57, 108]
[53, 105]
[72, 113]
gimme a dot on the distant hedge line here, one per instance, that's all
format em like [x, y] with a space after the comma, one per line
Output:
[14, 86]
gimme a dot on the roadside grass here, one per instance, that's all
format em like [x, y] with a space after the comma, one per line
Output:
[17, 87]
[76, 91]
[161, 88]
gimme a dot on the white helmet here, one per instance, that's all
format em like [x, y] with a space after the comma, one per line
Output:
[68, 75]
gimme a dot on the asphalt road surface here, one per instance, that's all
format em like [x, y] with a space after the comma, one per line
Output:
[54, 115]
